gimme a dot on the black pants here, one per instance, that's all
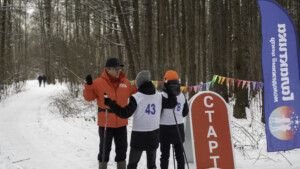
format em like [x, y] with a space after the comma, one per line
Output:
[135, 156]
[120, 138]
[165, 154]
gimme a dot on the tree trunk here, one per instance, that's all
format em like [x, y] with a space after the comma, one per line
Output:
[2, 47]
[131, 48]
[239, 110]
[148, 36]
[136, 26]
[183, 41]
[191, 43]
[202, 35]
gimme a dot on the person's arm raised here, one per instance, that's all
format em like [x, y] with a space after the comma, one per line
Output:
[122, 112]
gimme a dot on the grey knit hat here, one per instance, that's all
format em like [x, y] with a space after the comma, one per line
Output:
[142, 77]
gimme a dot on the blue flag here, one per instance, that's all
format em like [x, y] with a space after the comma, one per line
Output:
[280, 61]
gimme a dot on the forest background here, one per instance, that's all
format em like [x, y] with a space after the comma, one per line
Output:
[197, 38]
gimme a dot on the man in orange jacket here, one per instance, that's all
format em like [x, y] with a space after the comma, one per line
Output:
[114, 83]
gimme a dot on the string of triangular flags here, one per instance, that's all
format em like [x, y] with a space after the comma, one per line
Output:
[245, 84]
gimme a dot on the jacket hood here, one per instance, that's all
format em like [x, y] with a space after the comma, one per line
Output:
[147, 88]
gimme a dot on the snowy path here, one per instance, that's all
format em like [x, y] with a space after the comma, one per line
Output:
[31, 137]
[43, 140]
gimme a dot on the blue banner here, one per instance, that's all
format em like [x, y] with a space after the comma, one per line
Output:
[280, 61]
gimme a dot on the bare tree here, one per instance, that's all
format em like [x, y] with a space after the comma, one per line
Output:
[241, 95]
[131, 47]
[2, 41]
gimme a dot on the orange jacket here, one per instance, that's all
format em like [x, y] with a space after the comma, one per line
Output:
[121, 95]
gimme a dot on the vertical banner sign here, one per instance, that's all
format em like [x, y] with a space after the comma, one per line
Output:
[210, 132]
[280, 61]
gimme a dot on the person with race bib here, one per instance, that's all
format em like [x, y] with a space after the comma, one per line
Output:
[171, 123]
[145, 106]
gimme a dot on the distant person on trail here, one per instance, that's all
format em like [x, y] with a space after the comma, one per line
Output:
[145, 106]
[114, 83]
[40, 79]
[168, 130]
[44, 79]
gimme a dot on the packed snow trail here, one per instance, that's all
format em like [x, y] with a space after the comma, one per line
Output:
[31, 137]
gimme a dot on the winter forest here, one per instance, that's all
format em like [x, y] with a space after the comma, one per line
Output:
[197, 38]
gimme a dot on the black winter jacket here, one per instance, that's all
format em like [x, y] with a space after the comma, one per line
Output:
[169, 133]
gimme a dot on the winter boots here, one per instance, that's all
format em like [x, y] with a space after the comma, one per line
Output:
[121, 165]
[102, 165]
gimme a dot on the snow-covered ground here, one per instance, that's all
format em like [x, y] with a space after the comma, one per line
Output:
[33, 137]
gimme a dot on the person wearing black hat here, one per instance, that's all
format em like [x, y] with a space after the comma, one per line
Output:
[114, 83]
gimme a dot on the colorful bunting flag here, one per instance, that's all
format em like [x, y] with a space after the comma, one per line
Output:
[220, 77]
[231, 82]
[239, 82]
[248, 84]
[195, 89]
[257, 85]
[190, 89]
[244, 82]
[227, 81]
[214, 79]
[254, 85]
[223, 78]
[199, 87]
[185, 89]
[181, 88]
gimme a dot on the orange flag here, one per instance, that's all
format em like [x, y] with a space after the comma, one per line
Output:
[223, 78]
[227, 81]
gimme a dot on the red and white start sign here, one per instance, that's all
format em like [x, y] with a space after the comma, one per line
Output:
[211, 132]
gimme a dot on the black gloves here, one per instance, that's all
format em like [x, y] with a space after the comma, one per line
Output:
[89, 80]
[172, 87]
[107, 100]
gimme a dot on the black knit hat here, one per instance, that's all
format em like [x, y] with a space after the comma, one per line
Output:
[113, 62]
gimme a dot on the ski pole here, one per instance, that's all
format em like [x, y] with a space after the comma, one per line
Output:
[178, 131]
[104, 137]
[64, 67]
[81, 80]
